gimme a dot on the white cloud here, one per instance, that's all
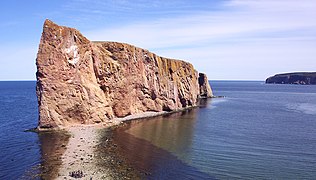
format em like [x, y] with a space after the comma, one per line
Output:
[260, 36]
[244, 18]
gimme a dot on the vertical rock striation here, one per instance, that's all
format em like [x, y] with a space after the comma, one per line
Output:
[84, 82]
[204, 85]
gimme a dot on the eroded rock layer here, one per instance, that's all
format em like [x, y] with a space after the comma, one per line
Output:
[205, 88]
[79, 81]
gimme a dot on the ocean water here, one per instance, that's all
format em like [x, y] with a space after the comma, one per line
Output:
[257, 131]
[19, 150]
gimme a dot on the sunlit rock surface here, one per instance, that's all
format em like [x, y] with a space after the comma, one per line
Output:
[84, 82]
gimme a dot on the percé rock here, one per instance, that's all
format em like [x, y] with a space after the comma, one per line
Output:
[304, 78]
[84, 82]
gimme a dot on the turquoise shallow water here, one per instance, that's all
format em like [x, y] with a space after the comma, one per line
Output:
[258, 131]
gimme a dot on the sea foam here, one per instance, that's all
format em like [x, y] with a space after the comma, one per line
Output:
[306, 108]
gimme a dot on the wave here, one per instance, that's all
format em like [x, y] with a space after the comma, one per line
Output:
[306, 108]
[218, 100]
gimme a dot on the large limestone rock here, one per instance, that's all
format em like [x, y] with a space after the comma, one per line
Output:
[84, 82]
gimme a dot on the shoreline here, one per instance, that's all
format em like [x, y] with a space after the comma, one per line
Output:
[80, 157]
[80, 154]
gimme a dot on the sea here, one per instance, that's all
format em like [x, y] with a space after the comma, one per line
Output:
[255, 131]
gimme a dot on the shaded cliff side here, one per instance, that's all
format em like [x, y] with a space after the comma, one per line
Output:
[304, 78]
[84, 82]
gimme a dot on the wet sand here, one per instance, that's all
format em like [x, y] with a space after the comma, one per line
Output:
[80, 154]
[81, 151]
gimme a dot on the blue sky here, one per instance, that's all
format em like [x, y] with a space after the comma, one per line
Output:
[227, 39]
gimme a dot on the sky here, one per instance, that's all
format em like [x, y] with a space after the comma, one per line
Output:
[226, 39]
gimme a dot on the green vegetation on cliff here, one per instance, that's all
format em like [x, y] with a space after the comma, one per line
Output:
[304, 78]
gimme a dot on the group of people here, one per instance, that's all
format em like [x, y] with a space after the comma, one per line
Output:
[76, 174]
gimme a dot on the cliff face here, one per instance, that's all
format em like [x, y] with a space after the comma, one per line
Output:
[205, 88]
[303, 78]
[79, 81]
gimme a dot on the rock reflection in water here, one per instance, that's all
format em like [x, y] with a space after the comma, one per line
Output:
[52, 145]
[109, 157]
[146, 145]
[173, 132]
[204, 102]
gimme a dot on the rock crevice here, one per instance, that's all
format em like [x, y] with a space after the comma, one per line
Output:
[84, 82]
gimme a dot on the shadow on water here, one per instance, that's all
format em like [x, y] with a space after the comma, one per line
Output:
[147, 148]
[204, 102]
[107, 156]
[52, 146]
[173, 133]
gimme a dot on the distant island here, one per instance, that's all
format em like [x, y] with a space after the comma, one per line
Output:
[303, 78]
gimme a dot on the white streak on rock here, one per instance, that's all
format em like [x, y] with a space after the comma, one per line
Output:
[73, 56]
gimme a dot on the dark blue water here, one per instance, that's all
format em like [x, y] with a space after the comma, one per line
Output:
[19, 150]
[257, 132]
